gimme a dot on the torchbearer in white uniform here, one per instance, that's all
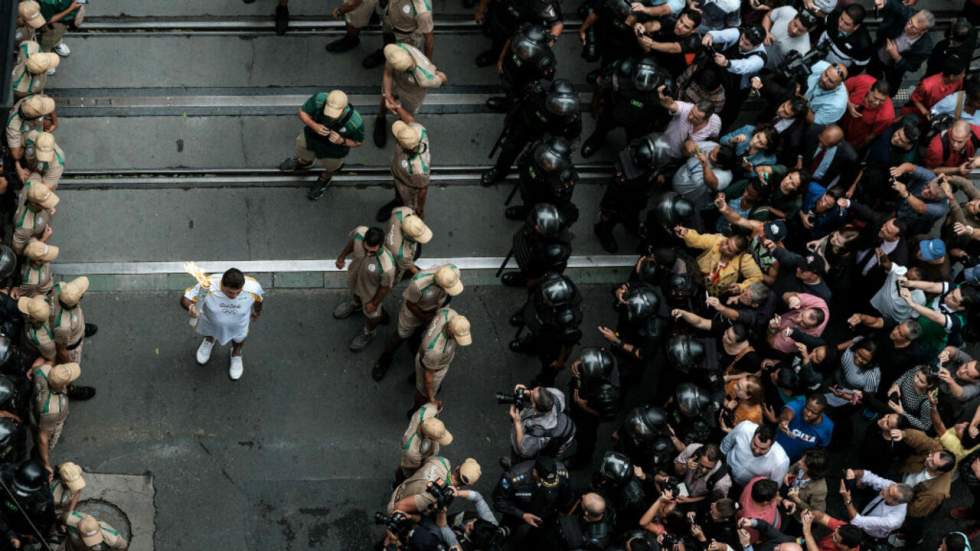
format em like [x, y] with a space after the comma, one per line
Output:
[222, 307]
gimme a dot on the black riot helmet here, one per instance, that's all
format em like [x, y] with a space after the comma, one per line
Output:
[620, 10]
[8, 437]
[7, 391]
[545, 220]
[638, 158]
[553, 154]
[685, 352]
[648, 271]
[530, 45]
[29, 478]
[681, 287]
[6, 349]
[557, 290]
[615, 468]
[662, 451]
[643, 424]
[691, 400]
[545, 10]
[8, 262]
[641, 303]
[671, 209]
[648, 76]
[561, 99]
[595, 364]
[605, 399]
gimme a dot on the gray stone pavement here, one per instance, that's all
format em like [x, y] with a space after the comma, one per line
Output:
[233, 8]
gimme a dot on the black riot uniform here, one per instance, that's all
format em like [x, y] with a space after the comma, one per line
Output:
[694, 411]
[608, 37]
[552, 315]
[627, 97]
[579, 532]
[669, 210]
[504, 18]
[626, 194]
[547, 175]
[28, 484]
[540, 247]
[541, 487]
[545, 108]
[644, 438]
[641, 325]
[528, 58]
[631, 539]
[595, 379]
[617, 483]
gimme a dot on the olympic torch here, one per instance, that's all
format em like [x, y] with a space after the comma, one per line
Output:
[203, 280]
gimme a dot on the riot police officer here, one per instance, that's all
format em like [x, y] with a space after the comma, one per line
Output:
[616, 481]
[590, 525]
[527, 57]
[644, 438]
[626, 194]
[595, 398]
[627, 97]
[547, 175]
[669, 210]
[545, 108]
[502, 18]
[552, 315]
[26, 501]
[530, 495]
[607, 33]
[638, 332]
[541, 246]
[694, 412]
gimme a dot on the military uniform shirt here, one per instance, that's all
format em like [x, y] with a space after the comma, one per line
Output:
[438, 349]
[410, 86]
[415, 448]
[435, 468]
[50, 172]
[18, 126]
[26, 83]
[401, 248]
[29, 221]
[40, 338]
[224, 318]
[368, 273]
[50, 408]
[423, 291]
[36, 279]
[113, 539]
[413, 168]
[68, 324]
[409, 17]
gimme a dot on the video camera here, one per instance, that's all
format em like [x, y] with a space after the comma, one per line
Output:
[396, 523]
[797, 67]
[444, 494]
[520, 398]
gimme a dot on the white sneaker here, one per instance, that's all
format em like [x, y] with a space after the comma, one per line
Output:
[52, 71]
[62, 49]
[204, 351]
[236, 369]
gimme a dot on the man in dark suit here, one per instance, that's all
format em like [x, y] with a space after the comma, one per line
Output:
[831, 160]
[903, 42]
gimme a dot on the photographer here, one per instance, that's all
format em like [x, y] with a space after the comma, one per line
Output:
[787, 30]
[541, 425]
[432, 485]
[958, 375]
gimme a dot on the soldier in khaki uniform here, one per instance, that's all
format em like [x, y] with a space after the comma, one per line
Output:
[35, 275]
[408, 75]
[66, 488]
[422, 439]
[68, 320]
[30, 74]
[26, 115]
[404, 238]
[51, 406]
[29, 20]
[86, 533]
[38, 336]
[370, 277]
[44, 156]
[408, 21]
[33, 217]
[411, 496]
[446, 331]
[428, 291]
[410, 167]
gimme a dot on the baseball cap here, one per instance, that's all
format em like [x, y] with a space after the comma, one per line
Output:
[35, 308]
[398, 57]
[447, 277]
[459, 326]
[407, 135]
[44, 144]
[546, 467]
[71, 475]
[90, 530]
[932, 249]
[470, 471]
[435, 430]
[30, 12]
[775, 230]
[72, 291]
[63, 374]
[37, 105]
[415, 228]
[335, 104]
[39, 250]
[41, 195]
[41, 62]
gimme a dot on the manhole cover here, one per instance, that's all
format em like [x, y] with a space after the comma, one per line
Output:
[108, 513]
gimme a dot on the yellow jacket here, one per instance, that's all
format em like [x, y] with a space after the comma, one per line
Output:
[742, 266]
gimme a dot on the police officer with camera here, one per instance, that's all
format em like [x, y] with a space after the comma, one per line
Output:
[530, 495]
[433, 486]
[526, 57]
[544, 108]
[595, 398]
[547, 175]
[542, 246]
[552, 315]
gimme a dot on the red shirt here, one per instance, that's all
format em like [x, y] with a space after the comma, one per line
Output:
[827, 543]
[929, 92]
[934, 155]
[749, 509]
[872, 121]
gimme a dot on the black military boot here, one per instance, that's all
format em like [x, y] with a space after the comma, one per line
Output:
[523, 345]
[490, 177]
[603, 230]
[346, 43]
[80, 393]
[374, 59]
[498, 104]
[513, 279]
[381, 131]
[282, 19]
[319, 187]
[381, 366]
[91, 329]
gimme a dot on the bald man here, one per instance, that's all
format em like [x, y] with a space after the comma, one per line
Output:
[829, 158]
[596, 525]
[952, 150]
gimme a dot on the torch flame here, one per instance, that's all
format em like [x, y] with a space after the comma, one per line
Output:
[198, 274]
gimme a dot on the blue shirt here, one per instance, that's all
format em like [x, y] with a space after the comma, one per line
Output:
[828, 106]
[804, 436]
[947, 106]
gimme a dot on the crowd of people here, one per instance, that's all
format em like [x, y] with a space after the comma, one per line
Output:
[43, 325]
